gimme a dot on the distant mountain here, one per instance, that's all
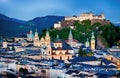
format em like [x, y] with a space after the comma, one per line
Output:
[117, 24]
[4, 17]
[12, 27]
[44, 22]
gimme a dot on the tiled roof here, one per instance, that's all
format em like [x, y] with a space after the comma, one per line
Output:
[65, 46]
[83, 59]
[72, 71]
[14, 44]
[107, 62]
[74, 40]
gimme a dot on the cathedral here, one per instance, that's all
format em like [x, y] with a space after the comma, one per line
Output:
[58, 49]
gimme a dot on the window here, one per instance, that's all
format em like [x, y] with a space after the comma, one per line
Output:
[60, 58]
[68, 57]
[49, 52]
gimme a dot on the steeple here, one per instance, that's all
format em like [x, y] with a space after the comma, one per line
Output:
[47, 37]
[70, 35]
[36, 33]
[47, 33]
[87, 44]
[57, 37]
[92, 43]
[92, 37]
[30, 31]
[70, 38]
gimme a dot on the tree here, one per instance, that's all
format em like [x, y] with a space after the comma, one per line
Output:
[90, 54]
[13, 48]
[80, 52]
[23, 70]
[84, 53]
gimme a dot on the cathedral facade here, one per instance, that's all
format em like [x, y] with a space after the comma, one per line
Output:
[53, 50]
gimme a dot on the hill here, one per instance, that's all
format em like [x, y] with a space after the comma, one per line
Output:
[12, 26]
[44, 22]
[107, 35]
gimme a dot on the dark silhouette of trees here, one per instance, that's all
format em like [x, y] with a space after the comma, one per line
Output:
[23, 70]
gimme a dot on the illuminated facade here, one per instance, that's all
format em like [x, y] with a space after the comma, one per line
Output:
[92, 42]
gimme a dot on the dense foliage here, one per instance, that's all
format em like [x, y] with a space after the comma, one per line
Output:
[23, 70]
[109, 34]
[82, 52]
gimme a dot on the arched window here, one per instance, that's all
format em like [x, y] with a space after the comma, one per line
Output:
[60, 57]
[49, 52]
[68, 57]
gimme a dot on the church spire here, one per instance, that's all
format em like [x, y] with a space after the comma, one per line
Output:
[70, 33]
[70, 38]
[87, 44]
[47, 33]
[36, 33]
[92, 37]
[57, 37]
[92, 42]
[30, 31]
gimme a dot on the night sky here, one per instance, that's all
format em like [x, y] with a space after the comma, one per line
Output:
[29, 9]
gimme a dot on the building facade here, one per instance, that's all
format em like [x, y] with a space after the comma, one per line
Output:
[86, 16]
[58, 49]
[69, 20]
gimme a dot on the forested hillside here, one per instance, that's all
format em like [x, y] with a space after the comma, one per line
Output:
[108, 34]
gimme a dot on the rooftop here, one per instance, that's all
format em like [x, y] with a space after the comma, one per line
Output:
[65, 46]
[83, 59]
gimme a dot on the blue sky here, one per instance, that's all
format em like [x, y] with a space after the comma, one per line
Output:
[29, 9]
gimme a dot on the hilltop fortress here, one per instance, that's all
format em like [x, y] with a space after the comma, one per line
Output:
[86, 16]
[69, 20]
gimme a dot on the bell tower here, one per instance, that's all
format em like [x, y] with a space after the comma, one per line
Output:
[92, 43]
[36, 39]
[87, 44]
[48, 43]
